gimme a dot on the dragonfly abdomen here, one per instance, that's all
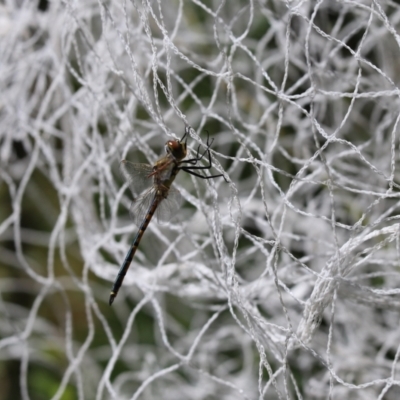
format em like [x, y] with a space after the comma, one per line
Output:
[159, 196]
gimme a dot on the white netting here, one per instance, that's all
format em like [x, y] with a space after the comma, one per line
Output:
[281, 284]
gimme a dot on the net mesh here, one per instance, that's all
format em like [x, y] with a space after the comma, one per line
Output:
[282, 283]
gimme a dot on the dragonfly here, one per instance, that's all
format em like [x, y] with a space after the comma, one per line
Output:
[160, 198]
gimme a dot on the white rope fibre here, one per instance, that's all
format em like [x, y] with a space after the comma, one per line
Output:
[282, 283]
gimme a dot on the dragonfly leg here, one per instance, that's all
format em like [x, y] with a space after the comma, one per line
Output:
[202, 176]
[198, 159]
[193, 161]
[187, 129]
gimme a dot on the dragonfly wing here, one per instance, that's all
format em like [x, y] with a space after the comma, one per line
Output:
[138, 175]
[168, 207]
[140, 206]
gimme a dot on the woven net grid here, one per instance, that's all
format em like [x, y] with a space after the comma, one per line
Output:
[282, 283]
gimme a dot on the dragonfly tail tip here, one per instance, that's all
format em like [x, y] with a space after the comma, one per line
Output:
[112, 297]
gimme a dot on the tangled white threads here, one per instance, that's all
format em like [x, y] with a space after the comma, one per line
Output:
[282, 283]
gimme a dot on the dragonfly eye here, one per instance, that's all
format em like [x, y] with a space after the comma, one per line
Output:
[176, 149]
[172, 144]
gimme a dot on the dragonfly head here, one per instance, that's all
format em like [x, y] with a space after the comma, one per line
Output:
[177, 149]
